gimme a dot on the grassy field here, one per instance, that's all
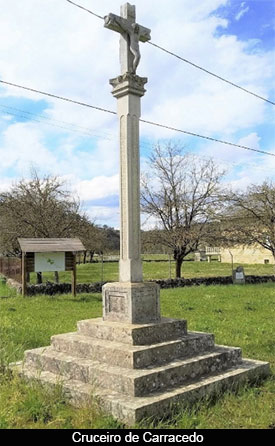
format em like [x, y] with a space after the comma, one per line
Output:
[238, 315]
[94, 272]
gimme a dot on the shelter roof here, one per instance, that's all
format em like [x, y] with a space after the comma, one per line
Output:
[50, 245]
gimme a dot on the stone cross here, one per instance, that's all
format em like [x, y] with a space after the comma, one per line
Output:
[131, 35]
[130, 299]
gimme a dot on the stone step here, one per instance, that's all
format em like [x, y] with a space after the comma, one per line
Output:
[136, 382]
[134, 334]
[132, 356]
[131, 410]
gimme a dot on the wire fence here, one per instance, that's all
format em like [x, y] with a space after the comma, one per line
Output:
[10, 267]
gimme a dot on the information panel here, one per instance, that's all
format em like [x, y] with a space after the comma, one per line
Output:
[49, 261]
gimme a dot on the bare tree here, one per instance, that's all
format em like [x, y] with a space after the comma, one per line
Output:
[41, 207]
[181, 193]
[250, 217]
[92, 238]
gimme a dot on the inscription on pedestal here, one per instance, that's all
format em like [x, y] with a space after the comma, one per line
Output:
[117, 303]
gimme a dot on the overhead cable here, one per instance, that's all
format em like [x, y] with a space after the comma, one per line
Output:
[207, 137]
[142, 120]
[189, 62]
[212, 74]
[85, 9]
[62, 98]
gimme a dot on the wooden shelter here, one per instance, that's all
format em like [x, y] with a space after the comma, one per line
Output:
[49, 254]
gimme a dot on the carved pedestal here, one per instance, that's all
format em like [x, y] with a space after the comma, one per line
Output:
[135, 303]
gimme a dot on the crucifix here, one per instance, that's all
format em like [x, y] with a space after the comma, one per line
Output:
[130, 299]
[131, 35]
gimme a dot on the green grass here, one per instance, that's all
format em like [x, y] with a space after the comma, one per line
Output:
[238, 315]
[92, 272]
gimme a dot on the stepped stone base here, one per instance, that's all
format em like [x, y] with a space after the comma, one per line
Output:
[139, 371]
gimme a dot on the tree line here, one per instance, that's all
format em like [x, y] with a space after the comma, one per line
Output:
[43, 207]
[184, 197]
[191, 207]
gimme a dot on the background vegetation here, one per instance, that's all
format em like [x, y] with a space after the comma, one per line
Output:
[184, 199]
[96, 272]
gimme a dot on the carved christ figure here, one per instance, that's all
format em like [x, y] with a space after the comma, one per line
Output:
[134, 33]
[134, 45]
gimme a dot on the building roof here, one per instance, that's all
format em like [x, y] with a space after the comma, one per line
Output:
[50, 245]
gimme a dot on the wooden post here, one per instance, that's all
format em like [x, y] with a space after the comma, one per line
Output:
[74, 275]
[102, 268]
[24, 276]
[232, 263]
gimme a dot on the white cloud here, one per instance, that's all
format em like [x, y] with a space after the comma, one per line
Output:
[56, 47]
[6, 117]
[6, 184]
[242, 12]
[98, 159]
[98, 187]
[22, 148]
[104, 215]
[78, 60]
[242, 166]
[233, 156]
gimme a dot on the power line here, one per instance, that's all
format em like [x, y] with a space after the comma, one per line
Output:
[80, 129]
[85, 9]
[206, 137]
[212, 74]
[51, 121]
[142, 120]
[106, 136]
[58, 97]
[74, 127]
[48, 123]
[68, 129]
[189, 62]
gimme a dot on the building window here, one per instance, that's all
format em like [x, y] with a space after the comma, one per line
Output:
[266, 261]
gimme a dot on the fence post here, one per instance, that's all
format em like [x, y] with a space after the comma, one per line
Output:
[74, 276]
[23, 267]
[102, 268]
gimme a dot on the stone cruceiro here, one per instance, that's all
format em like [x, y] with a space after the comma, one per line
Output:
[135, 363]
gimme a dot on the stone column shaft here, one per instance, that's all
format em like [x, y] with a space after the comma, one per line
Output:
[130, 300]
[128, 90]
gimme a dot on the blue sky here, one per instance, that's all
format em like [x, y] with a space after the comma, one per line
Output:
[55, 47]
[254, 19]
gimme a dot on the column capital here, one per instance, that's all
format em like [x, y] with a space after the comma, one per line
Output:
[128, 83]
